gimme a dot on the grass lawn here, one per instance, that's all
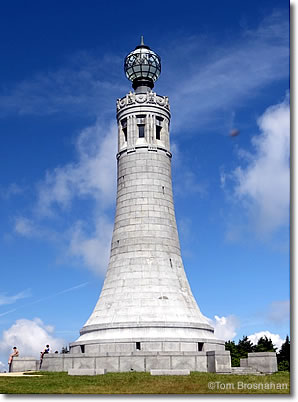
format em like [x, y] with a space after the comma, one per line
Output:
[144, 383]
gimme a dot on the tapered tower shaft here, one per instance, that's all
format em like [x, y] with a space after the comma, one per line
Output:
[146, 296]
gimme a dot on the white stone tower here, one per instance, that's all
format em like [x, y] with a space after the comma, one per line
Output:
[146, 303]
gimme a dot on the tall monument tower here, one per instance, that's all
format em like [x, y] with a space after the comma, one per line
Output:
[146, 303]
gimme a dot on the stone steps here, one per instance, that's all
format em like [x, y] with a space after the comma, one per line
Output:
[245, 371]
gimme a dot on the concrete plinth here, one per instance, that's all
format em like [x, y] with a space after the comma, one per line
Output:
[243, 362]
[24, 364]
[218, 361]
[264, 362]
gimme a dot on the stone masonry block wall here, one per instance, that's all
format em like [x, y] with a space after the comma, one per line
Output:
[24, 364]
[113, 362]
[218, 361]
[265, 362]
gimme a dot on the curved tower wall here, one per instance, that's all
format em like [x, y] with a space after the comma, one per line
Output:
[146, 296]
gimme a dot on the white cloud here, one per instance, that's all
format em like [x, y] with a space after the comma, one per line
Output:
[279, 311]
[9, 300]
[276, 339]
[30, 337]
[12, 190]
[228, 75]
[259, 188]
[186, 181]
[4, 299]
[91, 177]
[223, 178]
[263, 186]
[184, 227]
[224, 327]
[94, 175]
[82, 85]
[24, 226]
[3, 367]
[31, 228]
[92, 249]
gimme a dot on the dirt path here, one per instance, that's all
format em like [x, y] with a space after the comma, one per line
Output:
[19, 374]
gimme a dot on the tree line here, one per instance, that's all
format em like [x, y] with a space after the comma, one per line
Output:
[245, 346]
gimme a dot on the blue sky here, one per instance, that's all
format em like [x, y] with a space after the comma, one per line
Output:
[224, 66]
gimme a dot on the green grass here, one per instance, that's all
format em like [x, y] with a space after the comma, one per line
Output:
[142, 383]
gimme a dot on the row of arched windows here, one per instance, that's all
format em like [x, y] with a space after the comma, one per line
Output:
[141, 121]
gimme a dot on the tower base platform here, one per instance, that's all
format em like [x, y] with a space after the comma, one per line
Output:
[213, 361]
[166, 363]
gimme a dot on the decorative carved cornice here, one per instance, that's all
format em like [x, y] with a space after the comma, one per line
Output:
[149, 98]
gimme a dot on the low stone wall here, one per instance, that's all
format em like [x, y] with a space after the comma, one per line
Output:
[243, 362]
[219, 361]
[216, 361]
[24, 364]
[265, 362]
[212, 361]
[114, 362]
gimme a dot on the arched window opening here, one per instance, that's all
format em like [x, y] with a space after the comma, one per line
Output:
[124, 128]
[159, 121]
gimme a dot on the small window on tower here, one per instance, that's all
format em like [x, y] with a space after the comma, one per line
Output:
[141, 118]
[125, 133]
[138, 345]
[124, 128]
[159, 121]
[141, 130]
[158, 130]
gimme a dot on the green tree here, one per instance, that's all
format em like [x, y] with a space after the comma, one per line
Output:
[283, 357]
[239, 351]
[235, 358]
[264, 345]
[245, 346]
